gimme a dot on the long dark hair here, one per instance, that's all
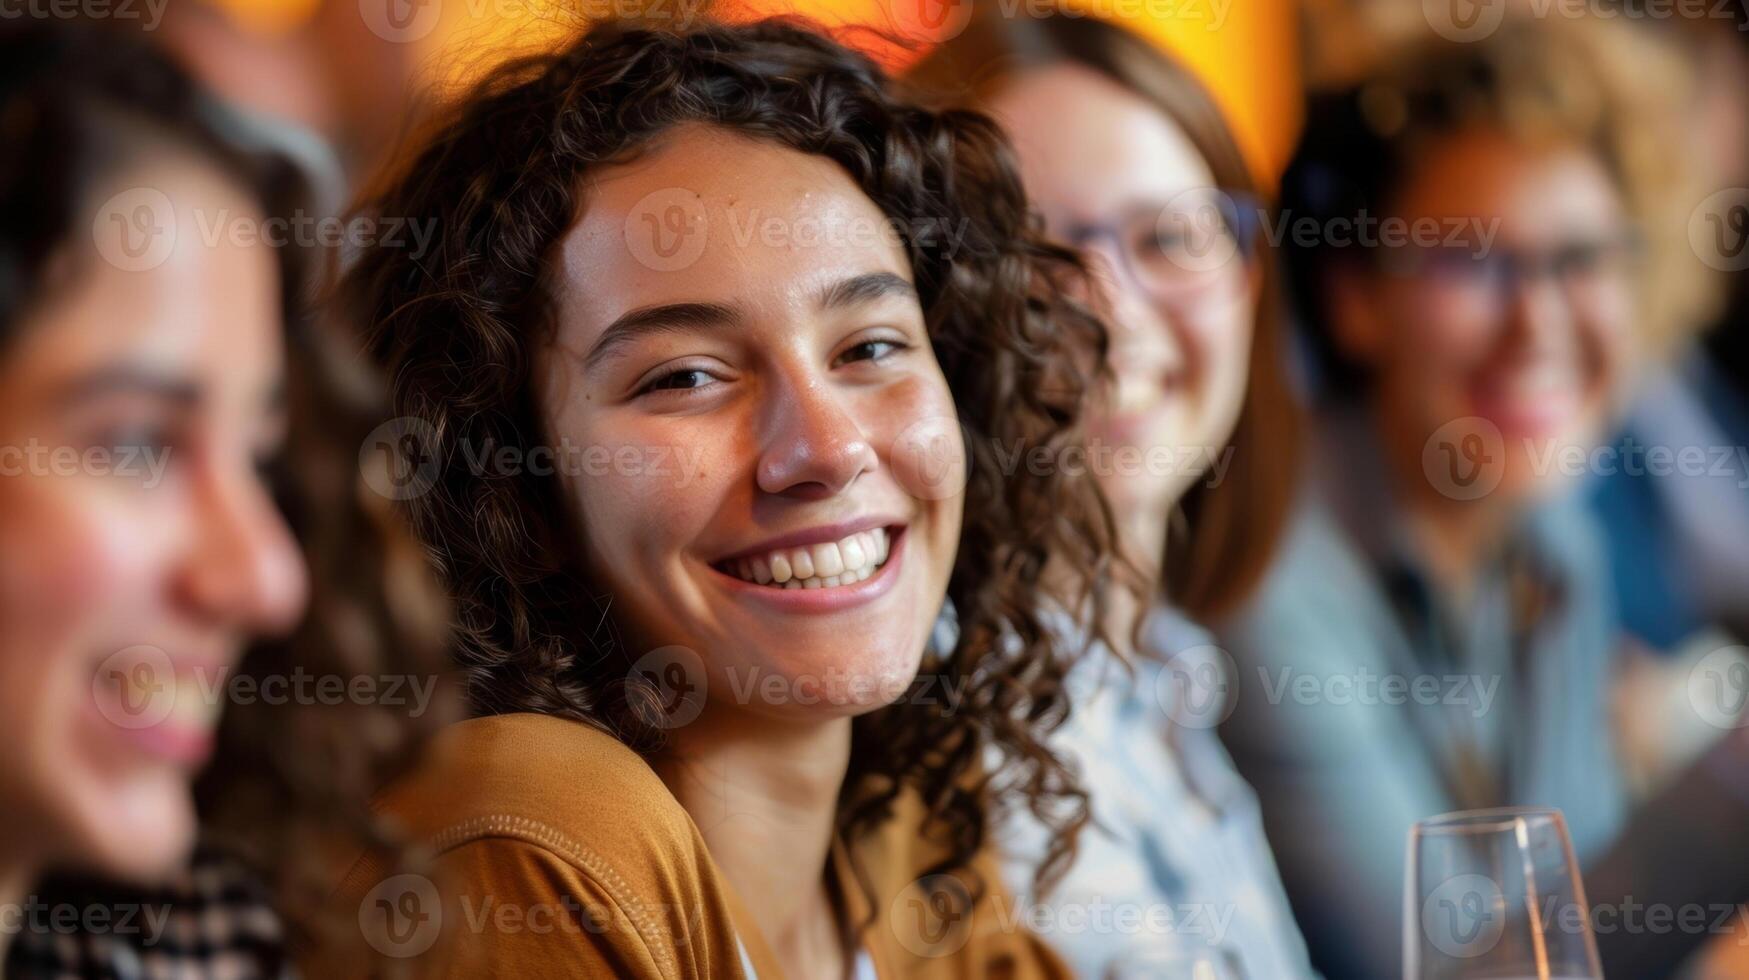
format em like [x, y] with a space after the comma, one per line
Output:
[1230, 528]
[80, 102]
[503, 176]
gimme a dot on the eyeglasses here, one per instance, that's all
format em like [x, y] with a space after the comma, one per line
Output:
[1491, 276]
[1199, 241]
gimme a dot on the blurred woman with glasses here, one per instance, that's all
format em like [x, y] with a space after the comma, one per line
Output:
[1129, 160]
[1438, 634]
[181, 527]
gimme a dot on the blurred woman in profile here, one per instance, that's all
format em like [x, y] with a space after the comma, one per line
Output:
[1438, 634]
[1129, 160]
[179, 480]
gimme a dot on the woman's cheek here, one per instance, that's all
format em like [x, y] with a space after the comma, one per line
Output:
[927, 453]
[1219, 355]
[79, 580]
[77, 553]
[1607, 337]
[644, 495]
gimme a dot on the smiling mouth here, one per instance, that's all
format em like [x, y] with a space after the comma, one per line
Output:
[847, 561]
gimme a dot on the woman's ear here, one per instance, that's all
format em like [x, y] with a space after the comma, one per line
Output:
[1357, 326]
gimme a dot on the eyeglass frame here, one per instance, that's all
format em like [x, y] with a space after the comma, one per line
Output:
[1242, 215]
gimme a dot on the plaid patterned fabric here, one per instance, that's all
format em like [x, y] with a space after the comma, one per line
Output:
[214, 923]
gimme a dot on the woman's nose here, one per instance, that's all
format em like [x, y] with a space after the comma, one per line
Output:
[815, 447]
[243, 566]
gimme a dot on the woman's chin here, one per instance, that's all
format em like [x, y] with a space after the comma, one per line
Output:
[852, 681]
[143, 831]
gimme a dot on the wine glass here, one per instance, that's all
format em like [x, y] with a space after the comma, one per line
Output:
[1496, 894]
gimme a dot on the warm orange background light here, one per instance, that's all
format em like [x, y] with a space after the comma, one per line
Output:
[1245, 50]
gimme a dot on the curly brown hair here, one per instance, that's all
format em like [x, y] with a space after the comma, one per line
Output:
[78, 102]
[503, 175]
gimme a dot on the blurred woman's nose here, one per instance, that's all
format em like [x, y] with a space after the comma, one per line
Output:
[244, 566]
[1539, 314]
[814, 446]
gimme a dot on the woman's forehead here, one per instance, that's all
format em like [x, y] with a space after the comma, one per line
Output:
[761, 223]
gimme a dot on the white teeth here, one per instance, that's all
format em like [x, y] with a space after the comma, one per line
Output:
[822, 566]
[854, 556]
[827, 560]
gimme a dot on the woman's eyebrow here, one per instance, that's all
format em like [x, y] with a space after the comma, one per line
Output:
[667, 318]
[864, 288]
[130, 379]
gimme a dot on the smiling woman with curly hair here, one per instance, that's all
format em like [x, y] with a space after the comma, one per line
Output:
[715, 376]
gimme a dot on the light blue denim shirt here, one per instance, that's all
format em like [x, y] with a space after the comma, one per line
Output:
[1174, 870]
[1367, 701]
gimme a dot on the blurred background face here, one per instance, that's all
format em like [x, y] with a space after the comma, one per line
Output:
[744, 336]
[1116, 177]
[128, 586]
[1527, 333]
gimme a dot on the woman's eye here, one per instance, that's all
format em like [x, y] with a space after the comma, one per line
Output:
[1162, 243]
[136, 439]
[870, 350]
[137, 450]
[682, 380]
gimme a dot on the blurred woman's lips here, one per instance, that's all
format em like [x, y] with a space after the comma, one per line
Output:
[1536, 401]
[180, 730]
[185, 746]
[826, 577]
